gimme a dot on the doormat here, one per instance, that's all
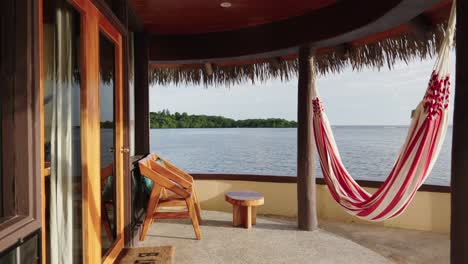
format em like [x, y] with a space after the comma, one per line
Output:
[147, 255]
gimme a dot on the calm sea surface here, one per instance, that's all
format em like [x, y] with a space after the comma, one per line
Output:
[367, 152]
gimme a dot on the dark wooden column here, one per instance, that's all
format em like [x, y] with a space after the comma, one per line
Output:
[141, 93]
[459, 220]
[307, 212]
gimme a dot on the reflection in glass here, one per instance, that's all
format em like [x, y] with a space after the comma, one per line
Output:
[62, 132]
[27, 252]
[108, 187]
[131, 92]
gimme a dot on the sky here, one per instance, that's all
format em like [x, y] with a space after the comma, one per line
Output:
[368, 97]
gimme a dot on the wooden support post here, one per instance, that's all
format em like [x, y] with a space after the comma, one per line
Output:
[142, 125]
[307, 211]
[459, 219]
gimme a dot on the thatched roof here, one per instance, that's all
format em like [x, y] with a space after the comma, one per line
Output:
[381, 53]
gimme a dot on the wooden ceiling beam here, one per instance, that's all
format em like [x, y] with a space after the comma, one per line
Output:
[420, 26]
[284, 37]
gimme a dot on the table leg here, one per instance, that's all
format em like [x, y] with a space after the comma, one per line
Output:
[254, 215]
[248, 217]
[237, 215]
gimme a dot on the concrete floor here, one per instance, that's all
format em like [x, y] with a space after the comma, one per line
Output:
[398, 245]
[275, 240]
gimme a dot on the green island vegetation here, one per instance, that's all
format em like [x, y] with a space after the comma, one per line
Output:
[165, 119]
[107, 124]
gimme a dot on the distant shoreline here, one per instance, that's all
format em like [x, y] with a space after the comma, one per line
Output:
[339, 126]
[166, 119]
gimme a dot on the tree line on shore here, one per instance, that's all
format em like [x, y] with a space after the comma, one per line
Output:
[166, 119]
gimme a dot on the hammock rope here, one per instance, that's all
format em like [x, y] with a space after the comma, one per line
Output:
[417, 155]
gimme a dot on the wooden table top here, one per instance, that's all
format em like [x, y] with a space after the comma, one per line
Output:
[245, 198]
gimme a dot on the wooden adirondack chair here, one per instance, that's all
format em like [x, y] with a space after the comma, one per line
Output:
[172, 187]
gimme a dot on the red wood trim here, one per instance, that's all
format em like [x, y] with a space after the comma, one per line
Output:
[293, 179]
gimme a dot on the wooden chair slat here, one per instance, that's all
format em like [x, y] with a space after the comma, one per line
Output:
[179, 172]
[170, 175]
[164, 182]
[171, 215]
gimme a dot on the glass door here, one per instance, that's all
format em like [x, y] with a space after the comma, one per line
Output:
[111, 145]
[82, 134]
[108, 133]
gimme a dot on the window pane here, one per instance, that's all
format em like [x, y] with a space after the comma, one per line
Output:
[62, 131]
[26, 253]
[131, 92]
[107, 99]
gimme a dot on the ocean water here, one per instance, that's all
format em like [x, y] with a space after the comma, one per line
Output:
[368, 152]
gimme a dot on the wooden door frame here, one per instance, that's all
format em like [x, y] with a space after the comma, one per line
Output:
[114, 35]
[93, 21]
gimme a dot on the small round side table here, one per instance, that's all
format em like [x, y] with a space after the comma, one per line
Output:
[244, 207]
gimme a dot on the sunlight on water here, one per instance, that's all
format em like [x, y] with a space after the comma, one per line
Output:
[367, 152]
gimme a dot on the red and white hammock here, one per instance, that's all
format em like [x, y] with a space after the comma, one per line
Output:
[415, 160]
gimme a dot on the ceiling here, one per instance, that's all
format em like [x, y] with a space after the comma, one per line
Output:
[199, 31]
[204, 16]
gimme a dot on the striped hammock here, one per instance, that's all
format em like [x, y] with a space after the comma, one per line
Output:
[415, 160]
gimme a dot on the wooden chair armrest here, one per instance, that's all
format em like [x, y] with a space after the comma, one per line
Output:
[158, 179]
[166, 172]
[178, 171]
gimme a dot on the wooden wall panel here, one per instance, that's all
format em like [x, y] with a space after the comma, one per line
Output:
[142, 126]
[20, 104]
[459, 220]
[7, 59]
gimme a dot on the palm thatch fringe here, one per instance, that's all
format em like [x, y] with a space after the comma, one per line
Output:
[388, 51]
